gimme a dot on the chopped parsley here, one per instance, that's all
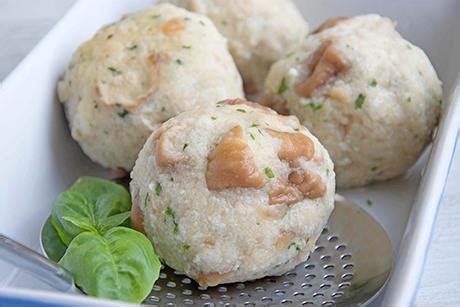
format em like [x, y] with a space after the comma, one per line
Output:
[252, 136]
[440, 101]
[114, 70]
[269, 173]
[328, 171]
[185, 146]
[374, 168]
[186, 47]
[213, 118]
[254, 125]
[297, 246]
[224, 22]
[369, 203]
[374, 83]
[171, 213]
[133, 47]
[296, 129]
[283, 87]
[185, 247]
[409, 99]
[171, 179]
[314, 106]
[146, 199]
[109, 36]
[360, 101]
[123, 113]
[163, 109]
[241, 110]
[179, 61]
[158, 189]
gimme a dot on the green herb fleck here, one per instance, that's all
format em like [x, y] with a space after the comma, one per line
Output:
[374, 168]
[297, 247]
[224, 23]
[369, 202]
[123, 113]
[314, 106]
[156, 16]
[360, 101]
[374, 83]
[252, 136]
[158, 189]
[179, 61]
[269, 173]
[170, 212]
[328, 171]
[146, 199]
[114, 70]
[408, 46]
[185, 146]
[213, 118]
[171, 179]
[133, 47]
[283, 87]
[409, 99]
[163, 109]
[185, 247]
[296, 129]
[109, 36]
[241, 110]
[254, 125]
[440, 101]
[186, 47]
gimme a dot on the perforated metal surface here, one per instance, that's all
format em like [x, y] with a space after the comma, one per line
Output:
[322, 280]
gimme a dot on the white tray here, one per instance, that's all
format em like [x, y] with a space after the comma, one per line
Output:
[39, 159]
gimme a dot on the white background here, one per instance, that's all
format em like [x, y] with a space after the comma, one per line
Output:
[24, 22]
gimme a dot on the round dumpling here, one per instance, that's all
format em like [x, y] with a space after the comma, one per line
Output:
[232, 192]
[371, 97]
[258, 32]
[139, 72]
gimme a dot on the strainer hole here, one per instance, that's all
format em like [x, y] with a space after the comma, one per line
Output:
[329, 267]
[201, 288]
[188, 301]
[171, 284]
[287, 284]
[244, 294]
[333, 239]
[317, 294]
[319, 249]
[325, 230]
[222, 289]
[205, 297]
[325, 286]
[187, 292]
[156, 288]
[259, 289]
[171, 305]
[337, 294]
[186, 281]
[306, 285]
[340, 247]
[225, 297]
[154, 299]
[280, 292]
[310, 277]
[325, 258]
[251, 304]
[347, 276]
[345, 257]
[291, 274]
[299, 294]
[267, 299]
[240, 286]
[344, 285]
[328, 277]
[271, 281]
[307, 303]
[163, 275]
[208, 304]
[286, 302]
[348, 266]
[178, 273]
[328, 303]
[309, 266]
[170, 296]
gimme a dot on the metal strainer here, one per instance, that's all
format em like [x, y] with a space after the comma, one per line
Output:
[349, 266]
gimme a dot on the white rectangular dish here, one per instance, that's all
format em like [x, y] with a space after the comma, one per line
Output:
[39, 158]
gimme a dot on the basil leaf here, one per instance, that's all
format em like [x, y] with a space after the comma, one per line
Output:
[121, 264]
[89, 205]
[52, 243]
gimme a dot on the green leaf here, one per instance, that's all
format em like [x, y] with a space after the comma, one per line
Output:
[121, 264]
[87, 205]
[283, 87]
[51, 242]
